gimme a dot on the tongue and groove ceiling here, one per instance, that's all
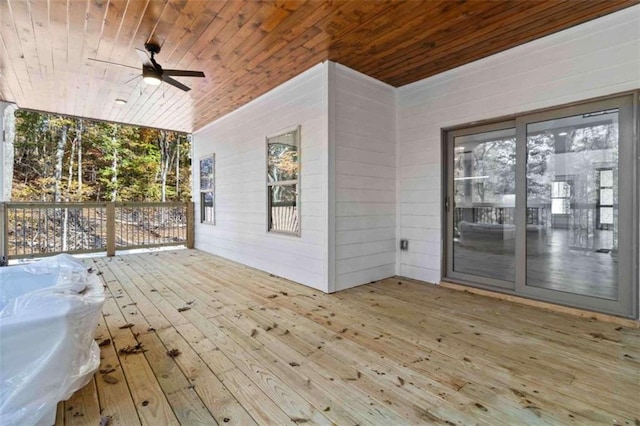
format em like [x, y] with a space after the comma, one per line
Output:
[247, 48]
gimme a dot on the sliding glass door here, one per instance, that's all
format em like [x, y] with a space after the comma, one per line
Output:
[483, 176]
[545, 206]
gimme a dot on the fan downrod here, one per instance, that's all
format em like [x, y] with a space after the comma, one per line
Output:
[152, 48]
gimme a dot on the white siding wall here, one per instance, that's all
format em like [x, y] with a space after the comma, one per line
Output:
[365, 182]
[238, 141]
[595, 59]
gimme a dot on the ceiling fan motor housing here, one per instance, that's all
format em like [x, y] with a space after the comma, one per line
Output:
[152, 48]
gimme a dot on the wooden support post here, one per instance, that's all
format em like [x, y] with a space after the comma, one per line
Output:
[191, 232]
[111, 229]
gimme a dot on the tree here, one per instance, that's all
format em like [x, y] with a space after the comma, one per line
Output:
[101, 161]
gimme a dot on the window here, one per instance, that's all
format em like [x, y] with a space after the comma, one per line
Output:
[605, 198]
[207, 189]
[283, 182]
[561, 197]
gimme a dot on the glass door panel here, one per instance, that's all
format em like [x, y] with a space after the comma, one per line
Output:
[546, 206]
[572, 204]
[484, 173]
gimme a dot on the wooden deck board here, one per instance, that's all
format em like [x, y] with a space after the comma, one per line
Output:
[258, 349]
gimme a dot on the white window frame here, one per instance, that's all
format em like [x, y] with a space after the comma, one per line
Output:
[296, 182]
[209, 188]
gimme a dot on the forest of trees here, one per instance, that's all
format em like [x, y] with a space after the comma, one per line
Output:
[60, 158]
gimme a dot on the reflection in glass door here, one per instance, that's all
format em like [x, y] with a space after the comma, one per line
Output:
[572, 175]
[545, 206]
[484, 172]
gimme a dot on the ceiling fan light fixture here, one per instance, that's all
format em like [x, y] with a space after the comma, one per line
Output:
[152, 80]
[121, 101]
[151, 76]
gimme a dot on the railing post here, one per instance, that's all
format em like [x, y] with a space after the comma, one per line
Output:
[4, 234]
[111, 229]
[190, 225]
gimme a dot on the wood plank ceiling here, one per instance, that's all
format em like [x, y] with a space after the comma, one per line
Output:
[247, 47]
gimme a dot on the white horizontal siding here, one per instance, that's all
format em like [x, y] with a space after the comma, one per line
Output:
[238, 140]
[597, 58]
[365, 181]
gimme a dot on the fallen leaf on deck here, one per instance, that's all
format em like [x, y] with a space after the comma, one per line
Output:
[105, 421]
[110, 379]
[517, 393]
[254, 332]
[294, 364]
[105, 342]
[173, 353]
[107, 370]
[536, 410]
[129, 325]
[184, 308]
[272, 296]
[327, 409]
[401, 380]
[129, 350]
[284, 293]
[482, 407]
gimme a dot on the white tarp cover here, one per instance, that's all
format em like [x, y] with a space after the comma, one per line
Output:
[49, 311]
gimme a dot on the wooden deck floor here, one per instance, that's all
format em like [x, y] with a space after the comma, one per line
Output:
[257, 349]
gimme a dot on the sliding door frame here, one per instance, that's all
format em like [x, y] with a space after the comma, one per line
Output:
[626, 303]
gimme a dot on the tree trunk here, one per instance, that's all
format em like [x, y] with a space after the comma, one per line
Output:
[70, 172]
[177, 168]
[80, 129]
[57, 195]
[114, 176]
[165, 163]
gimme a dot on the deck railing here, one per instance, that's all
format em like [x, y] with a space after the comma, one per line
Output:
[43, 229]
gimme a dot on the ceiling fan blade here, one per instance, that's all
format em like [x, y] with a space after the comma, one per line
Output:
[129, 81]
[113, 63]
[175, 83]
[144, 58]
[183, 73]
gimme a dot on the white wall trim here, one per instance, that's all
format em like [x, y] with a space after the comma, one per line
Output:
[331, 176]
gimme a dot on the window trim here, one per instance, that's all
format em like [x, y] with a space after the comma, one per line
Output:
[298, 130]
[201, 192]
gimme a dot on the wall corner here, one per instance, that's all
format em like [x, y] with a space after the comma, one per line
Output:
[331, 176]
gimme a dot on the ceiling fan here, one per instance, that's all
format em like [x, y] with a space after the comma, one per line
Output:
[152, 72]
